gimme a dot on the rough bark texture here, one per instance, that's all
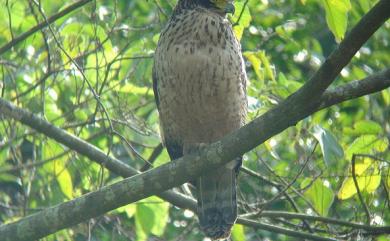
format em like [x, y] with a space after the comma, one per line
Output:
[298, 106]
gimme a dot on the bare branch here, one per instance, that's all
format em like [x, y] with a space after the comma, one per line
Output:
[355, 89]
[80, 146]
[42, 25]
[285, 231]
[289, 215]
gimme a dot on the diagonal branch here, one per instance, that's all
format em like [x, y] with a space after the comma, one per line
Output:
[80, 146]
[355, 89]
[289, 215]
[298, 106]
[348, 91]
[42, 25]
[288, 232]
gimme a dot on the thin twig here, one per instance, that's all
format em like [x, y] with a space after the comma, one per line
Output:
[366, 210]
[290, 215]
[289, 232]
[241, 13]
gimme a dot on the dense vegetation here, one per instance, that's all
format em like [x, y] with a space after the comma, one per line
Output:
[89, 73]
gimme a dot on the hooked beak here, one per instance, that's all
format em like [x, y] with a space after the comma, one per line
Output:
[229, 8]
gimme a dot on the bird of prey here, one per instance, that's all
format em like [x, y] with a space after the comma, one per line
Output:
[199, 82]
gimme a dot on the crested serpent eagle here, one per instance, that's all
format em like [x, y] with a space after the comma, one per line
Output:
[199, 82]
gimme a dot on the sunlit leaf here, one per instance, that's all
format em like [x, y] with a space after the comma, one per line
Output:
[144, 221]
[256, 63]
[57, 167]
[267, 65]
[319, 194]
[364, 127]
[362, 164]
[129, 209]
[151, 217]
[238, 233]
[336, 16]
[365, 5]
[64, 179]
[386, 96]
[243, 22]
[261, 65]
[331, 149]
[387, 181]
[140, 229]
[133, 89]
[366, 144]
[367, 176]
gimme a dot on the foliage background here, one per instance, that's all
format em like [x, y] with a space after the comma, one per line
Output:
[90, 73]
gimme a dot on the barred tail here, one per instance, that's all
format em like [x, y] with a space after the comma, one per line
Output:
[217, 204]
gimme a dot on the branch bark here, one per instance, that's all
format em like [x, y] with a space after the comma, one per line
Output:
[355, 89]
[290, 215]
[298, 106]
[288, 232]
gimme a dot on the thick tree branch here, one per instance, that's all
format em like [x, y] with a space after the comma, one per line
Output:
[355, 89]
[42, 25]
[82, 147]
[298, 106]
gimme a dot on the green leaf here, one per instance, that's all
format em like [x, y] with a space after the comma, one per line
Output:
[57, 167]
[129, 209]
[365, 5]
[151, 217]
[367, 176]
[77, 40]
[245, 19]
[162, 158]
[269, 73]
[238, 233]
[261, 64]
[130, 88]
[64, 179]
[144, 220]
[139, 230]
[319, 194]
[336, 16]
[6, 177]
[364, 127]
[386, 96]
[256, 64]
[4, 152]
[283, 87]
[366, 144]
[16, 19]
[331, 149]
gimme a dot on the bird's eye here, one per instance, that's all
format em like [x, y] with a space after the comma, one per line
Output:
[226, 6]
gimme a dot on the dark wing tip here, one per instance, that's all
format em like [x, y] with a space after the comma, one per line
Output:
[215, 224]
[217, 232]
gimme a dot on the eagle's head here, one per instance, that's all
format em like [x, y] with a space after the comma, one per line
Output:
[220, 6]
[225, 6]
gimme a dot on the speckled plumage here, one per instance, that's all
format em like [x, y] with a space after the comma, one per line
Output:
[200, 88]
